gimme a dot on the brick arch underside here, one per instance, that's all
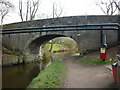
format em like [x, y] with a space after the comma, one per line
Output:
[34, 46]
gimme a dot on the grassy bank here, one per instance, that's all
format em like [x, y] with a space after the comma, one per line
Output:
[52, 77]
[93, 58]
[55, 47]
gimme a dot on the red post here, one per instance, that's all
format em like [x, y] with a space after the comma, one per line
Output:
[114, 71]
[103, 53]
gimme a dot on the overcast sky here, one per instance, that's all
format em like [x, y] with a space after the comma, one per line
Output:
[70, 8]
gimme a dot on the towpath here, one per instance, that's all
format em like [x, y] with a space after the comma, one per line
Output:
[86, 76]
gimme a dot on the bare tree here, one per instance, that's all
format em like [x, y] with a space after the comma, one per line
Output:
[57, 9]
[117, 4]
[28, 9]
[5, 8]
[21, 9]
[108, 7]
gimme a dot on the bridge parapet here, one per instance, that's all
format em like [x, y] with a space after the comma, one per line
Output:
[71, 20]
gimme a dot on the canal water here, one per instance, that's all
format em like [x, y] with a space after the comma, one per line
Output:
[20, 76]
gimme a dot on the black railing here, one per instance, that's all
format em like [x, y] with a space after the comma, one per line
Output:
[111, 26]
[106, 26]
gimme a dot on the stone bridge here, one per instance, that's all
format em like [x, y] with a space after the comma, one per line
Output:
[29, 43]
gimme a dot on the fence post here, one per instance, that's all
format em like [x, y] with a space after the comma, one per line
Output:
[118, 67]
[119, 35]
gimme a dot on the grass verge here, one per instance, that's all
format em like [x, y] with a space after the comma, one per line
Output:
[55, 46]
[91, 59]
[52, 77]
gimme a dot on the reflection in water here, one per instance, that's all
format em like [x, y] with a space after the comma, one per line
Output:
[20, 76]
[45, 62]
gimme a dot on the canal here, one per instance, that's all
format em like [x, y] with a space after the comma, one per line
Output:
[20, 76]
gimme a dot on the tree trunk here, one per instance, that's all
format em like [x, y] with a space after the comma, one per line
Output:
[50, 50]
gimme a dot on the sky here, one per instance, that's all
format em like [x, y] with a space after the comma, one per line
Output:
[70, 8]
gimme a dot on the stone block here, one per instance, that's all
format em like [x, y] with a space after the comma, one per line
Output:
[9, 59]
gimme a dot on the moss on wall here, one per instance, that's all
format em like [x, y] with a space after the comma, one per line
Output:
[11, 57]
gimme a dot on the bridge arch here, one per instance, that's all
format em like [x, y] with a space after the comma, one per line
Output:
[32, 46]
[35, 43]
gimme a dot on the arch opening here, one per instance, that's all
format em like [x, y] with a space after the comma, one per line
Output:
[35, 48]
[35, 45]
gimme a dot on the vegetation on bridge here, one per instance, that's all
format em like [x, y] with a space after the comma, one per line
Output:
[10, 52]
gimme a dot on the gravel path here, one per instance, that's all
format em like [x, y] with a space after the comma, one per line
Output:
[86, 76]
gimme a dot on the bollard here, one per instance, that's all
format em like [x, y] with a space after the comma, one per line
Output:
[118, 70]
[114, 71]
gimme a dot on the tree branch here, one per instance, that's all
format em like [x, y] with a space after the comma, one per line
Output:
[20, 10]
[109, 6]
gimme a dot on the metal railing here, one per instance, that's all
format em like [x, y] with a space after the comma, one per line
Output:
[101, 27]
[110, 26]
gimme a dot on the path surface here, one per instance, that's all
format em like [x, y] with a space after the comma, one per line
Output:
[86, 76]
